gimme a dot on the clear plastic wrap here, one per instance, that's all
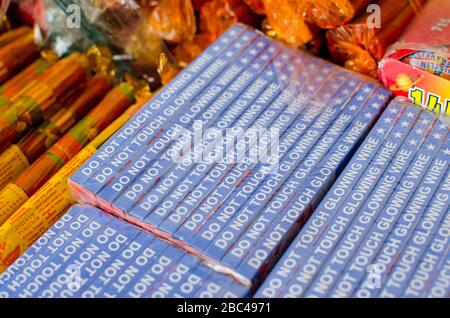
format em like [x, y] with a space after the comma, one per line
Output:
[124, 26]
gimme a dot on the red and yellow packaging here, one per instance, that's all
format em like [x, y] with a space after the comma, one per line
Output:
[409, 67]
[47, 205]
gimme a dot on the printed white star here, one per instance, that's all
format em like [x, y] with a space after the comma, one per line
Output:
[238, 45]
[388, 120]
[225, 40]
[290, 68]
[352, 83]
[419, 131]
[327, 96]
[376, 106]
[244, 60]
[270, 73]
[283, 77]
[368, 115]
[413, 142]
[216, 48]
[253, 52]
[338, 101]
[431, 147]
[380, 131]
[265, 57]
[229, 54]
[311, 88]
[319, 78]
[410, 114]
[260, 44]
[245, 38]
[334, 86]
[425, 121]
[398, 135]
[404, 124]
[277, 64]
[284, 56]
[360, 98]
[366, 89]
[353, 107]
[447, 151]
[443, 126]
[298, 61]
[381, 97]
[346, 91]
[393, 110]
[256, 66]
[233, 32]
[437, 136]
[271, 49]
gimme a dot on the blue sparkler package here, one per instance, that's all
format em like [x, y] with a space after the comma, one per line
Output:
[374, 252]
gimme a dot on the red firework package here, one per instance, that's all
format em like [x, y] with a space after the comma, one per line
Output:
[418, 64]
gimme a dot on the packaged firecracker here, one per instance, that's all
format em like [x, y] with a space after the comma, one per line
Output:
[329, 14]
[17, 157]
[123, 25]
[257, 6]
[4, 22]
[35, 176]
[285, 21]
[187, 51]
[36, 215]
[173, 20]
[362, 42]
[418, 64]
[216, 16]
[13, 87]
[13, 34]
[40, 99]
[18, 53]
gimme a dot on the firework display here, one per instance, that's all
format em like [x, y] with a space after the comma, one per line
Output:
[381, 217]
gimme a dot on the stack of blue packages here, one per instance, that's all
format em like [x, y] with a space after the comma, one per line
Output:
[184, 167]
[383, 228]
[89, 253]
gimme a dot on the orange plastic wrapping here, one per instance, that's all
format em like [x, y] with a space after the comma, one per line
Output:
[174, 20]
[285, 21]
[256, 5]
[359, 45]
[216, 16]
